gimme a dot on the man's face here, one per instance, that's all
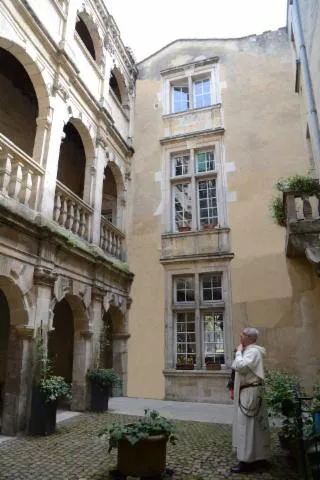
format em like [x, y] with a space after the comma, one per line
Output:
[245, 339]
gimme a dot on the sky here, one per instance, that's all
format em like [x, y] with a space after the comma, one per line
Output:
[148, 25]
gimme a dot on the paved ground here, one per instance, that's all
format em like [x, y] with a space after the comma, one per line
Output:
[75, 452]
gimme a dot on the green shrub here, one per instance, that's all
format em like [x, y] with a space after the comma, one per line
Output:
[103, 377]
[150, 425]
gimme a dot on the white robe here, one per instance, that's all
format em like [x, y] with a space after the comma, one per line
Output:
[250, 436]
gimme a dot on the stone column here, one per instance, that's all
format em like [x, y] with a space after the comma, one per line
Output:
[97, 193]
[82, 357]
[52, 151]
[18, 381]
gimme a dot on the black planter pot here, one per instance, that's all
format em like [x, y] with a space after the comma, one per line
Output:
[99, 398]
[43, 414]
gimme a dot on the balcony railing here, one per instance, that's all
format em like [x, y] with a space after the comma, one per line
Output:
[303, 224]
[71, 212]
[111, 239]
[302, 207]
[20, 176]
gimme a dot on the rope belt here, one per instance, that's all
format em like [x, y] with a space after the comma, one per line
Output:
[250, 412]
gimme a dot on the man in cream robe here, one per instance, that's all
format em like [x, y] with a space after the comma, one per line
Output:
[251, 437]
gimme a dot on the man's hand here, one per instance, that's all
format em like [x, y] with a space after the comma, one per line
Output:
[240, 348]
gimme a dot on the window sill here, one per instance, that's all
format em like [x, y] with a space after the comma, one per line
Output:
[192, 110]
[172, 372]
[214, 231]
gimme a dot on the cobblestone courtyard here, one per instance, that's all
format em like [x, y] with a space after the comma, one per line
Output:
[75, 452]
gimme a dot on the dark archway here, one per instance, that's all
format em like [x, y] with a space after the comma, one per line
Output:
[61, 341]
[109, 199]
[18, 103]
[4, 344]
[106, 351]
[72, 160]
[83, 32]
[115, 87]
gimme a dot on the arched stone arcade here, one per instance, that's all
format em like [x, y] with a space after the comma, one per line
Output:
[15, 357]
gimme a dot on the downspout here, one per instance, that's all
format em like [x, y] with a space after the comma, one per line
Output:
[310, 101]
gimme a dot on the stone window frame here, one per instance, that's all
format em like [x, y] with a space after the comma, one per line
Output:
[186, 76]
[193, 177]
[199, 307]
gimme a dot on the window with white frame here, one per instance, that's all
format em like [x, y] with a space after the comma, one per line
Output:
[198, 169]
[199, 320]
[189, 93]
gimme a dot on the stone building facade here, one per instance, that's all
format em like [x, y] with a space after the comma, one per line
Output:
[217, 123]
[67, 87]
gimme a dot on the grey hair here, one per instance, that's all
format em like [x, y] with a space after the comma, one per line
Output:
[252, 332]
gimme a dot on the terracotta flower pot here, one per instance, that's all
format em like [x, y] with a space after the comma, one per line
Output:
[213, 366]
[185, 366]
[184, 229]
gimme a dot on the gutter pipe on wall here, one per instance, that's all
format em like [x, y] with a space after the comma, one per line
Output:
[313, 122]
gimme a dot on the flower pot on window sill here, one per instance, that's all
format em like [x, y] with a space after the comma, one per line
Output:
[208, 226]
[213, 366]
[185, 366]
[184, 229]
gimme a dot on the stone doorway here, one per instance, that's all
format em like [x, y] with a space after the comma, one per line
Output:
[61, 344]
[4, 344]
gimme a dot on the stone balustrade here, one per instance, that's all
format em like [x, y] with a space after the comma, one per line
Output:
[301, 207]
[111, 239]
[71, 212]
[20, 175]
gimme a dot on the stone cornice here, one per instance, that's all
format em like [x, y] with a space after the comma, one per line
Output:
[198, 133]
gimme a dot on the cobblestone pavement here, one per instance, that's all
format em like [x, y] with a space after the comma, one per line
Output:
[75, 452]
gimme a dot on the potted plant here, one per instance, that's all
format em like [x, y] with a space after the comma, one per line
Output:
[214, 362]
[280, 391]
[185, 363]
[141, 445]
[209, 226]
[46, 392]
[102, 380]
[315, 408]
[184, 226]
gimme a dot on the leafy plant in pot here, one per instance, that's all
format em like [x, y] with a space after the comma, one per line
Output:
[102, 380]
[46, 392]
[141, 445]
[280, 394]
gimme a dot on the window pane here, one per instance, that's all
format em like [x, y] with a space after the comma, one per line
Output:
[202, 93]
[186, 348]
[207, 201]
[182, 205]
[211, 287]
[180, 99]
[184, 293]
[214, 336]
[180, 165]
[205, 161]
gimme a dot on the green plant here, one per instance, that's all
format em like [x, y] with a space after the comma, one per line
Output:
[103, 377]
[185, 360]
[301, 184]
[277, 211]
[54, 387]
[280, 394]
[150, 424]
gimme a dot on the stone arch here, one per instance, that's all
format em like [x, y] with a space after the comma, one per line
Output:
[115, 312]
[28, 59]
[77, 301]
[93, 31]
[119, 87]
[115, 169]
[77, 152]
[16, 351]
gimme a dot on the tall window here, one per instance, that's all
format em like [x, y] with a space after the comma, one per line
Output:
[83, 32]
[191, 93]
[199, 182]
[199, 320]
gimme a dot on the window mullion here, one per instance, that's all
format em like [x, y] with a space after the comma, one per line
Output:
[190, 87]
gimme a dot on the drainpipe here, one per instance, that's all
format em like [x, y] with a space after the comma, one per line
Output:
[310, 101]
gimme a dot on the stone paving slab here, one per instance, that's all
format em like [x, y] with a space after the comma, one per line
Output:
[201, 412]
[203, 452]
